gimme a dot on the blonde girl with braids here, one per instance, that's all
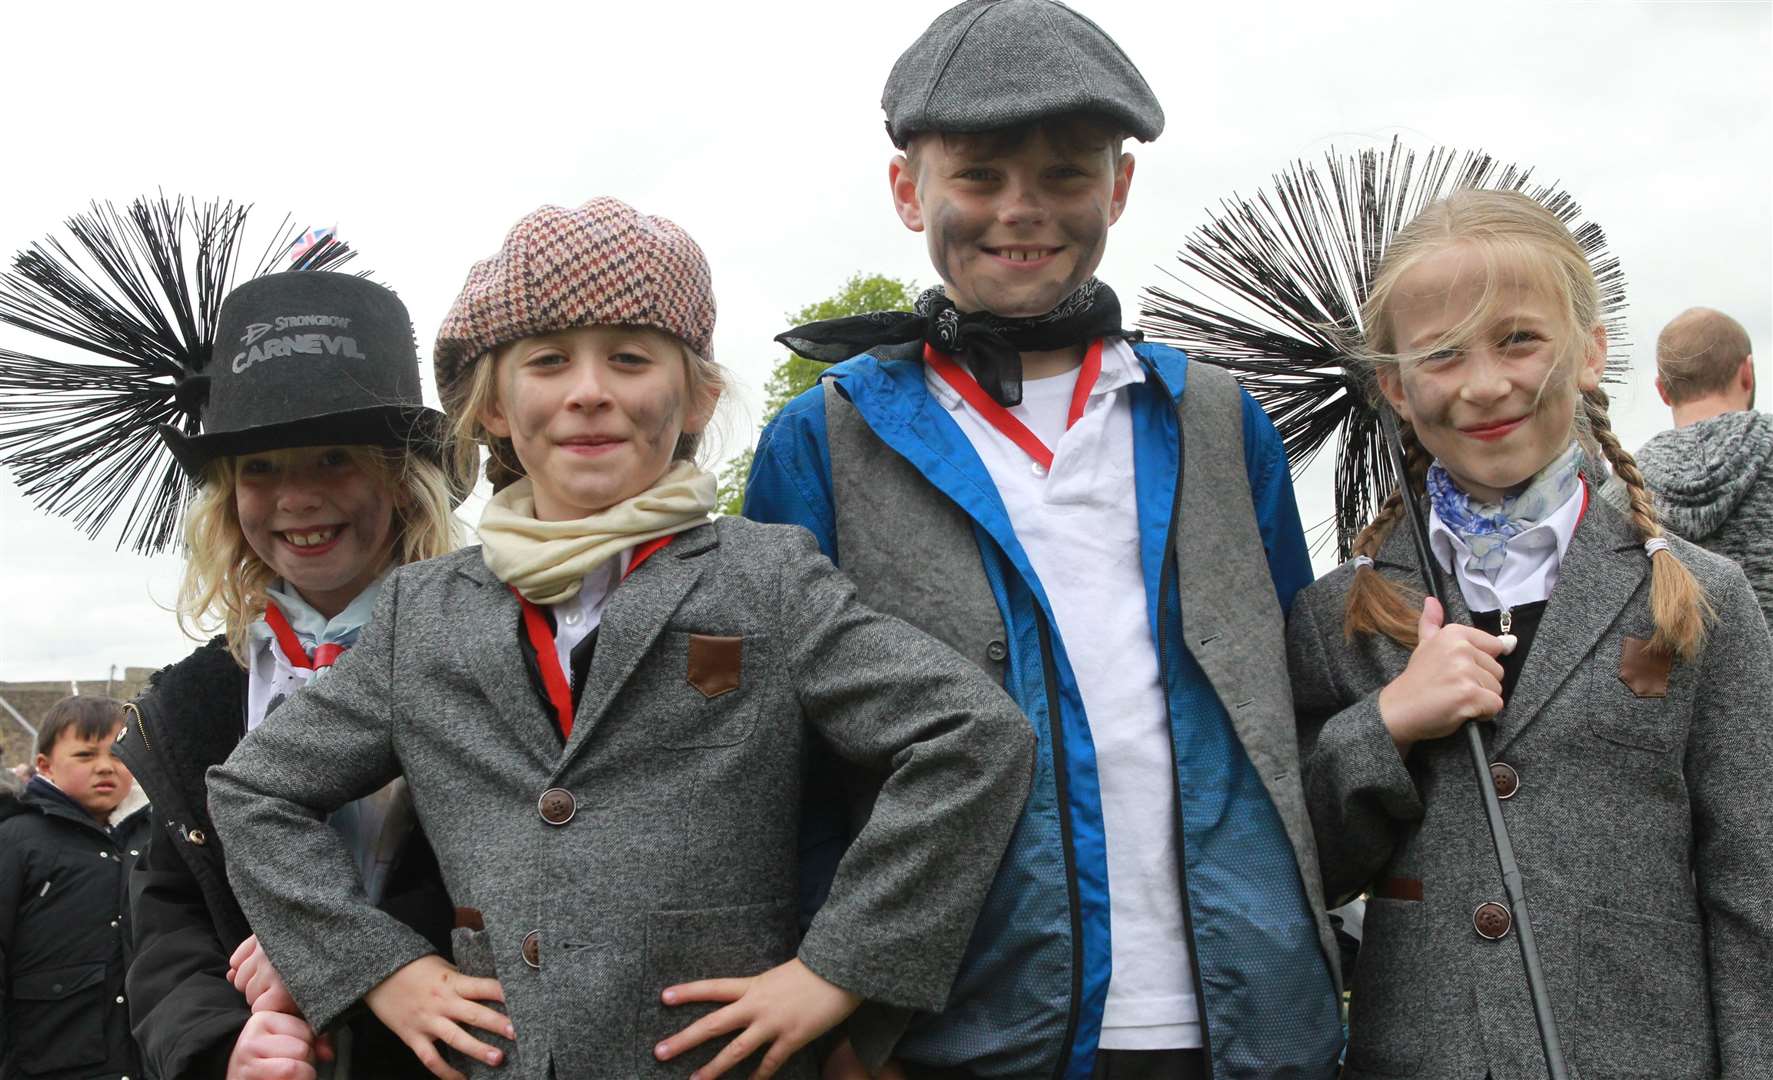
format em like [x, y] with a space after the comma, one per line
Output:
[1623, 680]
[318, 471]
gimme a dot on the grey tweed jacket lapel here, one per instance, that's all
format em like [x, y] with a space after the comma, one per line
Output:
[633, 619]
[491, 630]
[1600, 571]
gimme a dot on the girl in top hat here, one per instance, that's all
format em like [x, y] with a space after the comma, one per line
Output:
[603, 714]
[292, 407]
[1624, 677]
[318, 471]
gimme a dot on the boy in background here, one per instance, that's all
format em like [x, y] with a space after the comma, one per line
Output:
[1110, 531]
[65, 857]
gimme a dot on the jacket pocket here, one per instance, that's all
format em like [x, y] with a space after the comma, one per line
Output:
[1385, 1028]
[711, 943]
[59, 1018]
[1643, 1003]
[705, 692]
[1621, 712]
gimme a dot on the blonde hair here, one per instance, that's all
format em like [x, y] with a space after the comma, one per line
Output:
[469, 398]
[1699, 353]
[1517, 236]
[225, 580]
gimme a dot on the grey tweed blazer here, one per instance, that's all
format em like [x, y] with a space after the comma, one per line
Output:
[1643, 825]
[716, 661]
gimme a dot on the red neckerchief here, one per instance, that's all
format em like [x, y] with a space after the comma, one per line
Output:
[541, 639]
[323, 655]
[1001, 418]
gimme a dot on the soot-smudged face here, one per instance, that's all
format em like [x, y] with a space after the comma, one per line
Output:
[322, 517]
[594, 414]
[1497, 407]
[1015, 231]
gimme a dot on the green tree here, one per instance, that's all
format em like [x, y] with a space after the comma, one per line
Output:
[794, 375]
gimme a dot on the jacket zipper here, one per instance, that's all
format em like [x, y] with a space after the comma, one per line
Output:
[140, 725]
[1062, 792]
[1166, 576]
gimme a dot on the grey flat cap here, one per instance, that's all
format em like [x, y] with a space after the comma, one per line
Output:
[990, 64]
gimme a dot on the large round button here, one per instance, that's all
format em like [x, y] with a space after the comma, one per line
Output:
[1492, 921]
[1507, 781]
[556, 806]
[996, 650]
[532, 948]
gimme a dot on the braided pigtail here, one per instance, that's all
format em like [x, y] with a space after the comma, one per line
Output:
[1678, 604]
[1376, 604]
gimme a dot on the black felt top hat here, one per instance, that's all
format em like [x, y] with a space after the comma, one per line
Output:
[135, 292]
[308, 358]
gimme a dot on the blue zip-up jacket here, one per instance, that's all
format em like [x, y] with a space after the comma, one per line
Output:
[1029, 998]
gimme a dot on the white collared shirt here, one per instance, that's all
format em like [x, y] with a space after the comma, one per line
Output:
[1079, 525]
[1529, 568]
[575, 619]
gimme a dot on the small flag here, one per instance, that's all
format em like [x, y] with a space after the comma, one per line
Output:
[308, 240]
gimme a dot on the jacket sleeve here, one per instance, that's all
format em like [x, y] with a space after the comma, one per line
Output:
[957, 757]
[1358, 791]
[292, 872]
[12, 883]
[790, 481]
[1277, 511]
[1729, 773]
[184, 1012]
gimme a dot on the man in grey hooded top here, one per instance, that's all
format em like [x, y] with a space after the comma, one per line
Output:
[1713, 473]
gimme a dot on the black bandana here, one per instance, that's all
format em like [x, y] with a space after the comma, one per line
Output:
[991, 347]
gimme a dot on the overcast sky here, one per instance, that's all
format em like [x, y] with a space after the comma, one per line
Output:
[425, 135]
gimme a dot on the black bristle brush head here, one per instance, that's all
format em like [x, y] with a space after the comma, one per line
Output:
[136, 291]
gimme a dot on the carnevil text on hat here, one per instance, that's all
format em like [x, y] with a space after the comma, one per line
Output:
[295, 344]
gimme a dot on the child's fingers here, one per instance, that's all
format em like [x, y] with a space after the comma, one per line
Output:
[426, 1052]
[1429, 622]
[1490, 667]
[278, 1047]
[477, 1015]
[477, 989]
[275, 1069]
[707, 990]
[743, 1046]
[242, 951]
[779, 1053]
[460, 1041]
[277, 999]
[719, 1022]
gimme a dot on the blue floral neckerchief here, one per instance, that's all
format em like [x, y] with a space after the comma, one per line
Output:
[1486, 528]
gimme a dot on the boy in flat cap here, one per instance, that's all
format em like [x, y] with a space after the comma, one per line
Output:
[1110, 531]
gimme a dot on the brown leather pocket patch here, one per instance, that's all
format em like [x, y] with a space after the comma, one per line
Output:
[1644, 669]
[1400, 888]
[468, 918]
[714, 663]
